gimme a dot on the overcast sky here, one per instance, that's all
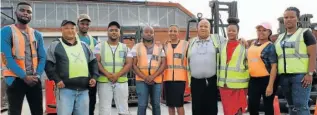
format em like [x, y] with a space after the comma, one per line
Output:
[253, 12]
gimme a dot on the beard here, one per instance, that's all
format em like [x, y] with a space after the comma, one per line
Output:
[148, 39]
[22, 20]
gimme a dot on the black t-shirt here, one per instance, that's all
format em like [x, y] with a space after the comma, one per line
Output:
[309, 38]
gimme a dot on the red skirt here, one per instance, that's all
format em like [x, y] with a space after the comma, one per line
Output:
[233, 100]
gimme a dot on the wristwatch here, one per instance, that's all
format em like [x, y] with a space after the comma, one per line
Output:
[310, 73]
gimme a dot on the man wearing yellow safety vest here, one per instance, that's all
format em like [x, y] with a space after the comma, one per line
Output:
[149, 63]
[202, 62]
[175, 75]
[296, 51]
[22, 62]
[73, 67]
[83, 24]
[114, 61]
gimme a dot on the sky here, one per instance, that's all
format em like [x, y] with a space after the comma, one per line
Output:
[253, 12]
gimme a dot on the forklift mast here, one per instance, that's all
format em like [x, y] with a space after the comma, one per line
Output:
[304, 22]
[216, 22]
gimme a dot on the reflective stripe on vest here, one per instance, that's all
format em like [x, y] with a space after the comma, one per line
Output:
[256, 66]
[176, 64]
[216, 42]
[92, 44]
[295, 55]
[78, 66]
[154, 63]
[233, 74]
[113, 62]
[18, 50]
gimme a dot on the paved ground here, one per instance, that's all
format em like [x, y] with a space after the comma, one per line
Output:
[133, 109]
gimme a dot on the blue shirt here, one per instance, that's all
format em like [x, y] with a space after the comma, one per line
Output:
[86, 39]
[6, 48]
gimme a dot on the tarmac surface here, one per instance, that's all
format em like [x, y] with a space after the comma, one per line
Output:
[132, 109]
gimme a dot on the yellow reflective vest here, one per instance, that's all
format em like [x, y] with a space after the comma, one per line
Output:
[113, 62]
[78, 66]
[293, 57]
[233, 74]
[215, 40]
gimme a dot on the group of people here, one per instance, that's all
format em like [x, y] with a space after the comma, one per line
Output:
[81, 67]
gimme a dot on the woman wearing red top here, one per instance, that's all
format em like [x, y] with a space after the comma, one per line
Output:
[233, 99]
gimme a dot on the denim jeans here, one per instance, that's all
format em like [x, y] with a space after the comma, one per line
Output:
[72, 101]
[143, 91]
[296, 95]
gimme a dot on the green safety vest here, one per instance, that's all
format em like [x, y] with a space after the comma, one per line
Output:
[295, 55]
[216, 41]
[78, 66]
[233, 74]
[91, 40]
[113, 63]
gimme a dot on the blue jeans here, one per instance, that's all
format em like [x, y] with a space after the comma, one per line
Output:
[144, 90]
[72, 101]
[296, 95]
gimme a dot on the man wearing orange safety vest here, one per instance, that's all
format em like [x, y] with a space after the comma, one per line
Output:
[149, 63]
[175, 75]
[23, 62]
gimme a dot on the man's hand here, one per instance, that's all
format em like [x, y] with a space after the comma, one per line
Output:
[244, 42]
[115, 77]
[149, 80]
[29, 80]
[307, 80]
[60, 84]
[92, 83]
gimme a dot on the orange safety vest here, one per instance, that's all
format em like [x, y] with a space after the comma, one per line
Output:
[18, 50]
[256, 65]
[176, 62]
[154, 63]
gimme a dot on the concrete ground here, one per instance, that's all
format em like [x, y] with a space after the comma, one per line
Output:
[133, 109]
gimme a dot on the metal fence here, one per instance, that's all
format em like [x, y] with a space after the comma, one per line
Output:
[51, 13]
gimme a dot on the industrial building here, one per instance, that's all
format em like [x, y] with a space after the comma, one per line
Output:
[48, 15]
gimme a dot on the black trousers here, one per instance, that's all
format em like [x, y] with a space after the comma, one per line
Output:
[204, 96]
[92, 99]
[256, 90]
[34, 96]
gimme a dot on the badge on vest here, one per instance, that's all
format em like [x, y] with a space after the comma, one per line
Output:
[122, 54]
[154, 57]
[178, 55]
[289, 44]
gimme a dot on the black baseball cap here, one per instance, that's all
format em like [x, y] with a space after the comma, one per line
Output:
[114, 23]
[67, 22]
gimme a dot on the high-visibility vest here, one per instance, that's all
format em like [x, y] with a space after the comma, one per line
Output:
[78, 66]
[145, 68]
[18, 50]
[113, 62]
[294, 55]
[256, 65]
[176, 62]
[216, 42]
[91, 40]
[233, 74]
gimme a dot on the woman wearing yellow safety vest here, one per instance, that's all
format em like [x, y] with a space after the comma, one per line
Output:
[175, 75]
[296, 51]
[262, 63]
[233, 76]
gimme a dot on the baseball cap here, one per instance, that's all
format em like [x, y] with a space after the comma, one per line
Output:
[265, 25]
[114, 23]
[84, 17]
[67, 22]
